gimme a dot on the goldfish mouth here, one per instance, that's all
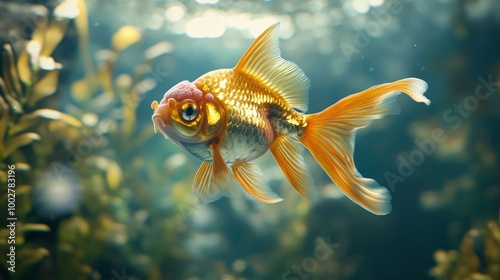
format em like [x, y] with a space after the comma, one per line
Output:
[160, 123]
[164, 126]
[160, 116]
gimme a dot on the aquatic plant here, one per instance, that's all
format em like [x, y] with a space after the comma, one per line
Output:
[122, 182]
[478, 257]
[25, 83]
[82, 176]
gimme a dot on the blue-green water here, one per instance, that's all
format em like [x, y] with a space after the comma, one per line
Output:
[116, 199]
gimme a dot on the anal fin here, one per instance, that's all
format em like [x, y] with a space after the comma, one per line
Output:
[288, 154]
[251, 179]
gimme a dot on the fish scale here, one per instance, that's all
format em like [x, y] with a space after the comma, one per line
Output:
[256, 115]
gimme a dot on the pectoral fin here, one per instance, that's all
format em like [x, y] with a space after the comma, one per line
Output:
[214, 180]
[203, 188]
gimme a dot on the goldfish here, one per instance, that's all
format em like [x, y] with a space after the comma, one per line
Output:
[229, 117]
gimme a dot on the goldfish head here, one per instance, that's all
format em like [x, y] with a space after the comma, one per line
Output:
[187, 115]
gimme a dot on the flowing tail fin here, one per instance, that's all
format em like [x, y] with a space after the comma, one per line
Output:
[330, 134]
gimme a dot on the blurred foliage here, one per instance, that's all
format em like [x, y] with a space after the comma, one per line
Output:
[24, 84]
[93, 147]
[477, 259]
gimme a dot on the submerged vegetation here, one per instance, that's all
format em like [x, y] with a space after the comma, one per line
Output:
[478, 257]
[100, 196]
[69, 184]
[24, 84]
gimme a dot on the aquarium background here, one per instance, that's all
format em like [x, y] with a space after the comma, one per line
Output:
[99, 195]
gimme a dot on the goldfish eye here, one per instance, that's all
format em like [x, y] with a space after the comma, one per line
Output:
[189, 111]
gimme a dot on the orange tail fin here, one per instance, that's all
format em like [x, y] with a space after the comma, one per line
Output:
[330, 136]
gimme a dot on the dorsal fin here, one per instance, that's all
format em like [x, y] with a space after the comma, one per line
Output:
[263, 61]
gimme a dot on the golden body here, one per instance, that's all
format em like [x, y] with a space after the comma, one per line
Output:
[229, 117]
[255, 116]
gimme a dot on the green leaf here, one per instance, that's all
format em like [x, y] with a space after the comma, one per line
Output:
[22, 166]
[10, 72]
[29, 256]
[53, 35]
[23, 64]
[124, 37]
[16, 142]
[44, 87]
[4, 120]
[114, 174]
[28, 120]
[10, 97]
[35, 228]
